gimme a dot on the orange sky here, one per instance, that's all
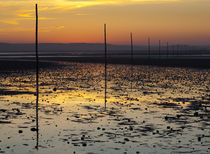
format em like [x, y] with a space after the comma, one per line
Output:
[67, 21]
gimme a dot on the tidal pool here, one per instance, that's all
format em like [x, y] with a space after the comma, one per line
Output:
[149, 110]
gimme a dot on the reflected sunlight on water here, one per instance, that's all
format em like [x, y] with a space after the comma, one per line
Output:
[166, 111]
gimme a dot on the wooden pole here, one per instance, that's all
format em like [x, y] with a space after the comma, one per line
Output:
[37, 79]
[159, 47]
[167, 49]
[105, 57]
[149, 47]
[131, 39]
[177, 50]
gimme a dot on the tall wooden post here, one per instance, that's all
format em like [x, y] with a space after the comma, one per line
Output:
[149, 47]
[167, 48]
[37, 79]
[105, 57]
[159, 48]
[177, 50]
[131, 39]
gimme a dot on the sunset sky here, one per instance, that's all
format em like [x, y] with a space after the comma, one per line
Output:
[69, 21]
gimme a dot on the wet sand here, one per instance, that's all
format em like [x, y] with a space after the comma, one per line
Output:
[163, 61]
[8, 65]
[190, 62]
[166, 111]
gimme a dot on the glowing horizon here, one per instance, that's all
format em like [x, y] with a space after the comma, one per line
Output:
[81, 21]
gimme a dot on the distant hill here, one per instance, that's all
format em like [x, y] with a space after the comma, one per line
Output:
[99, 47]
[61, 47]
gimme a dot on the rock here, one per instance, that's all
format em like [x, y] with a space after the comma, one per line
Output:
[33, 129]
[131, 128]
[3, 110]
[84, 144]
[83, 137]
[5, 122]
[196, 114]
[20, 131]
[178, 116]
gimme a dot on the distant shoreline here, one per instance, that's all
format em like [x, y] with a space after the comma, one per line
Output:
[9, 64]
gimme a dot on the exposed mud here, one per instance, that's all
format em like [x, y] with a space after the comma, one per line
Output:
[167, 110]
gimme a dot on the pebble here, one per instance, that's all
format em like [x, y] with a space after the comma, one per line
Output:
[196, 114]
[84, 144]
[83, 137]
[20, 131]
[33, 129]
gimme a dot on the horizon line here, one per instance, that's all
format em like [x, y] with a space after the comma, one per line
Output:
[116, 44]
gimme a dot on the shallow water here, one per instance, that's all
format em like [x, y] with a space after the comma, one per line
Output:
[167, 110]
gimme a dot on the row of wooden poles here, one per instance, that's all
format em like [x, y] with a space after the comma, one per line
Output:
[37, 61]
[37, 71]
[37, 74]
[105, 55]
[105, 62]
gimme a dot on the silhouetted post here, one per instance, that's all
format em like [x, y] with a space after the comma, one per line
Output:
[167, 49]
[174, 50]
[177, 49]
[37, 80]
[131, 38]
[105, 57]
[149, 47]
[159, 47]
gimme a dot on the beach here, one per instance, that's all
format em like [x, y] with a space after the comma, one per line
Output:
[152, 109]
[105, 77]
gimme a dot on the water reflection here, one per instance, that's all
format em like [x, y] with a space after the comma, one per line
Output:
[167, 111]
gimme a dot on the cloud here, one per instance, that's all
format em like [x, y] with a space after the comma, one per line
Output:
[9, 21]
[59, 27]
[25, 15]
[76, 4]
[15, 10]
